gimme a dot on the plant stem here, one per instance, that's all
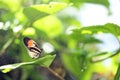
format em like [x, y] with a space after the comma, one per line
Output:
[117, 76]
[106, 57]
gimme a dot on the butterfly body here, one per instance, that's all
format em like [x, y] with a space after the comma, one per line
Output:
[32, 47]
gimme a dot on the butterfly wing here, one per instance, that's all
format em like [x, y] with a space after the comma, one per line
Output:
[32, 47]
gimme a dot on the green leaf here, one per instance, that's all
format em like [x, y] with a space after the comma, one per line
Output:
[107, 28]
[113, 28]
[101, 2]
[71, 63]
[51, 25]
[50, 8]
[35, 12]
[75, 63]
[117, 75]
[84, 38]
[12, 5]
[44, 61]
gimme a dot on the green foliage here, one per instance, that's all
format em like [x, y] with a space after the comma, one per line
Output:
[48, 22]
[13, 6]
[44, 61]
[75, 62]
[35, 12]
[105, 2]
[52, 23]
[107, 28]
[117, 76]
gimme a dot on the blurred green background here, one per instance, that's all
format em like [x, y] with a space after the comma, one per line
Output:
[83, 34]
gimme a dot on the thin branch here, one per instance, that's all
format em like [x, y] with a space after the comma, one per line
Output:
[98, 60]
[11, 40]
[55, 74]
[6, 46]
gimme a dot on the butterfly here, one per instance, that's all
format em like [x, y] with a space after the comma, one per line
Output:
[33, 50]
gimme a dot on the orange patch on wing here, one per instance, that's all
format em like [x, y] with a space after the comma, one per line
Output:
[30, 43]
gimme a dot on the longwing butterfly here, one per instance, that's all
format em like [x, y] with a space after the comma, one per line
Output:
[33, 50]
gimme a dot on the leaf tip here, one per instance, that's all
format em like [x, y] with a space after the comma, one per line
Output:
[6, 70]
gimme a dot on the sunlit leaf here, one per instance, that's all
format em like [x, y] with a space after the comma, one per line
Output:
[50, 8]
[29, 31]
[6, 70]
[107, 28]
[44, 61]
[12, 5]
[35, 12]
[101, 2]
[50, 25]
